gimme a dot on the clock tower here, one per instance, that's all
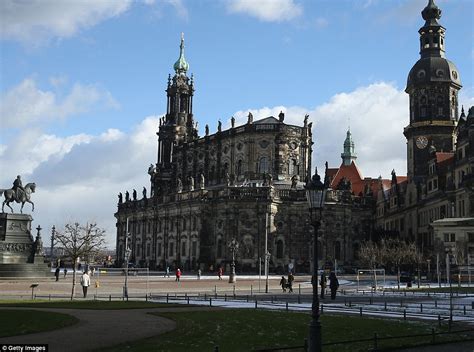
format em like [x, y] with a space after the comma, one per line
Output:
[433, 84]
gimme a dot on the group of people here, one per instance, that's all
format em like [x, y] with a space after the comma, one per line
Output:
[287, 283]
[333, 284]
[58, 271]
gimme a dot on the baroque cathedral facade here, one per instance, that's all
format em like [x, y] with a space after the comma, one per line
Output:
[246, 183]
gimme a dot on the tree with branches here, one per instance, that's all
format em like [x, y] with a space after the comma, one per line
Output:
[80, 241]
[370, 253]
[396, 252]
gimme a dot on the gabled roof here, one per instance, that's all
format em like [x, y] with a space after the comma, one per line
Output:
[267, 120]
[352, 173]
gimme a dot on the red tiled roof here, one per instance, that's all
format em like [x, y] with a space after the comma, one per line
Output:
[350, 172]
[443, 157]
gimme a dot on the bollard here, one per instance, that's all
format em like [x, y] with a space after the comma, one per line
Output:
[255, 303]
[247, 298]
[225, 297]
[350, 304]
[375, 342]
[167, 297]
[360, 311]
[299, 299]
[404, 314]
[234, 291]
[215, 289]
[110, 298]
[187, 298]
[287, 306]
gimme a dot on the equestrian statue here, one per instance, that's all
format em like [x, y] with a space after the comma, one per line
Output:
[18, 194]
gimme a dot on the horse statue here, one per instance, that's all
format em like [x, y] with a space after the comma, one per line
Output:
[23, 197]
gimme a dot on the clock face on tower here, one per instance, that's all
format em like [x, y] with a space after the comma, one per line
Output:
[421, 142]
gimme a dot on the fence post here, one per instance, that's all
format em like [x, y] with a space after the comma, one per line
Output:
[385, 305]
[433, 335]
[247, 298]
[210, 301]
[375, 342]
[299, 299]
[299, 293]
[436, 303]
[404, 314]
[439, 320]
[272, 299]
[187, 298]
[225, 297]
[350, 304]
[287, 306]
[464, 309]
[360, 309]
[251, 290]
[110, 298]
[401, 303]
[50, 297]
[322, 308]
[421, 307]
[255, 303]
[146, 298]
[234, 291]
[370, 300]
[167, 297]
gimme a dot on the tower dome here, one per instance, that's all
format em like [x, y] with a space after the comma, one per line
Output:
[181, 66]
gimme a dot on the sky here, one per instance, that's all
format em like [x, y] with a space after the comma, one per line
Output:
[82, 84]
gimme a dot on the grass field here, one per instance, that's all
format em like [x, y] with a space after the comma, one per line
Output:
[98, 305]
[247, 330]
[20, 322]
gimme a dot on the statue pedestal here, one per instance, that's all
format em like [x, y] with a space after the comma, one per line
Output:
[18, 257]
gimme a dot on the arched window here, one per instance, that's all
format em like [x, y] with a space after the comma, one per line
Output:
[337, 250]
[239, 167]
[219, 248]
[183, 249]
[279, 253]
[263, 165]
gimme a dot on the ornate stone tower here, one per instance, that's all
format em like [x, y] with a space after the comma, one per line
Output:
[433, 85]
[349, 154]
[177, 126]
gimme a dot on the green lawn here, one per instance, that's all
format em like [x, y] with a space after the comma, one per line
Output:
[20, 322]
[247, 330]
[98, 305]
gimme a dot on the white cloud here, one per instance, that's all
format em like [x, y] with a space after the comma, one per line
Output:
[26, 103]
[377, 113]
[267, 10]
[34, 21]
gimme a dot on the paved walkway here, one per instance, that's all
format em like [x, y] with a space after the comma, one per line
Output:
[98, 328]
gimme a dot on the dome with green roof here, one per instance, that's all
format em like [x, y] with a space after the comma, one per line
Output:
[181, 66]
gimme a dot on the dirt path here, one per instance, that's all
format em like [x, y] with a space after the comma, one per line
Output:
[96, 329]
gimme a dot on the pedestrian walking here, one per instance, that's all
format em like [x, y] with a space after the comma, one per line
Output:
[199, 274]
[65, 272]
[291, 278]
[283, 283]
[220, 272]
[85, 283]
[333, 284]
[178, 274]
[167, 272]
[323, 283]
[56, 273]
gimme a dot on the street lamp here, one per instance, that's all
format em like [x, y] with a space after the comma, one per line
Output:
[53, 234]
[234, 247]
[315, 194]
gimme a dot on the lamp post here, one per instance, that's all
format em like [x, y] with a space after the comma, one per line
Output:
[234, 247]
[315, 194]
[126, 254]
[53, 234]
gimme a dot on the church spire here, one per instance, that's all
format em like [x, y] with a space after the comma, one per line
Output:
[432, 33]
[349, 154]
[181, 66]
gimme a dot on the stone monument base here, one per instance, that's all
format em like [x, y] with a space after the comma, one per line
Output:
[20, 255]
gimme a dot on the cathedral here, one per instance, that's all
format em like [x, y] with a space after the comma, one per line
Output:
[246, 183]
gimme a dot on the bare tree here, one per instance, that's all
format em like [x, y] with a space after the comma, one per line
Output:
[396, 252]
[80, 241]
[371, 255]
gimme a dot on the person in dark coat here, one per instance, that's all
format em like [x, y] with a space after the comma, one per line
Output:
[323, 283]
[56, 273]
[291, 278]
[283, 283]
[333, 284]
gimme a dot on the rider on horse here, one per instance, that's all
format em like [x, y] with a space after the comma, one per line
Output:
[18, 185]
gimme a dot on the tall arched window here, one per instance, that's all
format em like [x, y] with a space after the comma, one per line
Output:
[279, 253]
[337, 250]
[219, 248]
[263, 165]
[239, 167]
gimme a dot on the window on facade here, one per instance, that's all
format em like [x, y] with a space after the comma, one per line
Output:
[337, 250]
[148, 249]
[171, 249]
[194, 249]
[159, 226]
[138, 250]
[279, 253]
[171, 225]
[219, 248]
[183, 249]
[194, 223]
[449, 237]
[184, 224]
[158, 249]
[470, 237]
[239, 167]
[263, 165]
[435, 184]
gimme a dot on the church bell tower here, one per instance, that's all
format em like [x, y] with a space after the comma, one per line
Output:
[433, 84]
